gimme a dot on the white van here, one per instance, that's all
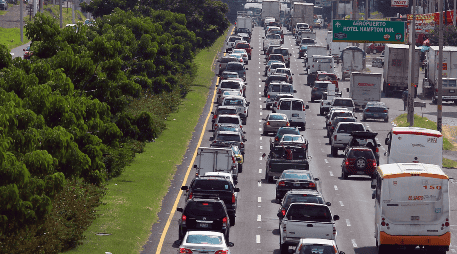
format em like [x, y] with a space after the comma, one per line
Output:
[413, 144]
[295, 110]
[411, 207]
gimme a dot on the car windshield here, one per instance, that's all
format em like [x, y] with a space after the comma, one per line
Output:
[212, 184]
[229, 137]
[230, 85]
[194, 209]
[307, 212]
[348, 128]
[356, 153]
[302, 198]
[375, 109]
[230, 75]
[343, 103]
[302, 176]
[327, 77]
[233, 39]
[277, 117]
[316, 249]
[204, 239]
[238, 102]
[307, 41]
[291, 138]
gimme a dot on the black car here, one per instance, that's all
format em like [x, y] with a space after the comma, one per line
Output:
[223, 188]
[366, 139]
[358, 161]
[292, 179]
[319, 88]
[377, 110]
[301, 196]
[204, 213]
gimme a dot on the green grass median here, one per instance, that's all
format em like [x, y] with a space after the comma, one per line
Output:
[134, 199]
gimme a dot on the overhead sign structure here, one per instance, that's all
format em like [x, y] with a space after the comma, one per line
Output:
[399, 3]
[364, 31]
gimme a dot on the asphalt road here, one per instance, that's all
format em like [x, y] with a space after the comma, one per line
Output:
[256, 229]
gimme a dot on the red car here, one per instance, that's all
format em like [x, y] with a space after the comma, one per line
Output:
[246, 46]
[27, 53]
[375, 48]
[359, 161]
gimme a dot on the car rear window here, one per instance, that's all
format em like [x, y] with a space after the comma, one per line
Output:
[226, 111]
[280, 78]
[283, 52]
[194, 208]
[356, 153]
[277, 117]
[229, 137]
[341, 114]
[375, 109]
[237, 67]
[288, 131]
[297, 105]
[327, 76]
[318, 249]
[233, 39]
[302, 198]
[308, 212]
[285, 105]
[228, 59]
[243, 46]
[291, 138]
[212, 184]
[307, 41]
[230, 85]
[204, 239]
[344, 103]
[227, 128]
[321, 85]
[233, 120]
[286, 89]
[348, 128]
[296, 176]
[228, 102]
[276, 88]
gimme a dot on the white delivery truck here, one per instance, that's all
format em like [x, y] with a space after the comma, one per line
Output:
[314, 50]
[365, 87]
[430, 83]
[309, 15]
[352, 59]
[411, 208]
[414, 145]
[396, 64]
[320, 63]
[336, 48]
[299, 12]
[211, 159]
[270, 9]
[244, 24]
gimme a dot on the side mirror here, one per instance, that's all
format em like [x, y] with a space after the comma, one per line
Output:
[184, 188]
[263, 155]
[247, 68]
[235, 181]
[195, 166]
[280, 215]
[293, 74]
[295, 91]
[252, 47]
[307, 107]
[328, 204]
[248, 103]
[218, 60]
[179, 209]
[230, 244]
[238, 159]
[244, 132]
[336, 217]
[212, 113]
[263, 37]
[386, 141]
[347, 90]
[341, 252]
[373, 184]
[316, 179]
[379, 145]
[236, 190]
[244, 139]
[373, 194]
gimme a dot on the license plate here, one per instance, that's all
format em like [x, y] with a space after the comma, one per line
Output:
[294, 115]
[376, 115]
[296, 184]
[204, 225]
[452, 91]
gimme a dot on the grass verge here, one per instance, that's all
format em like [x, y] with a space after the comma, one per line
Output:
[11, 37]
[424, 122]
[133, 199]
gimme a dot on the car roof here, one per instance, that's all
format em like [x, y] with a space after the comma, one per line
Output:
[292, 99]
[305, 191]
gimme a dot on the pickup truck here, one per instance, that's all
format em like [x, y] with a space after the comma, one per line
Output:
[271, 39]
[305, 220]
[282, 157]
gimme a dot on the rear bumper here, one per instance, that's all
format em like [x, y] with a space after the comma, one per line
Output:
[429, 240]
[447, 97]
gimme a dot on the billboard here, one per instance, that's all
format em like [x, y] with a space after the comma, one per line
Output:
[399, 3]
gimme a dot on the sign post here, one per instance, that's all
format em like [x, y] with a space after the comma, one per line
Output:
[364, 31]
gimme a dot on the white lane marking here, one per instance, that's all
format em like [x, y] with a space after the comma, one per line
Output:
[348, 223]
[331, 173]
[353, 243]
[260, 129]
[259, 217]
[260, 120]
[261, 147]
[260, 171]
[259, 184]
[261, 113]
[341, 203]
[260, 99]
[335, 187]
[261, 107]
[260, 137]
[257, 238]
[260, 158]
[260, 79]
[383, 148]
[259, 72]
[260, 85]
[260, 92]
[326, 161]
[259, 199]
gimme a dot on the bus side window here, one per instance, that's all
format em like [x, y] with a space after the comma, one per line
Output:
[388, 141]
[378, 189]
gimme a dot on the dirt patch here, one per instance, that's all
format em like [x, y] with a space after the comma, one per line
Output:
[450, 132]
[11, 19]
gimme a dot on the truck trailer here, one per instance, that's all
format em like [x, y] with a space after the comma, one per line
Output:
[365, 87]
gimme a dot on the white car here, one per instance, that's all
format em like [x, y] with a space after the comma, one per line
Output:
[239, 57]
[243, 53]
[273, 68]
[316, 245]
[204, 242]
[225, 175]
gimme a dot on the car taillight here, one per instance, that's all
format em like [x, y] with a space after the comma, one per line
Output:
[268, 123]
[304, 108]
[241, 145]
[329, 123]
[220, 91]
[346, 163]
[185, 250]
[241, 126]
[334, 230]
[283, 212]
[334, 137]
[221, 252]
[220, 65]
[233, 198]
[287, 124]
[191, 195]
[388, 84]
[224, 221]
[385, 111]
[383, 223]
[374, 163]
[366, 110]
[184, 218]
[215, 116]
[241, 91]
[377, 150]
[215, 126]
[446, 224]
[281, 183]
[333, 128]
[436, 90]
[314, 88]
[276, 139]
[312, 185]
[268, 96]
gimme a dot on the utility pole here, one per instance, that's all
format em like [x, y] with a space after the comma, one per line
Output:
[61, 17]
[41, 6]
[73, 11]
[439, 117]
[412, 70]
[365, 44]
[21, 17]
[453, 17]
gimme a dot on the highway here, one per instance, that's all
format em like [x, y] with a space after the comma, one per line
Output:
[256, 229]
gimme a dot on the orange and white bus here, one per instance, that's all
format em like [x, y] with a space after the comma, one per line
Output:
[411, 207]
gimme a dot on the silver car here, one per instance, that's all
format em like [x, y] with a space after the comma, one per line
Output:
[226, 119]
[274, 121]
[208, 241]
[228, 139]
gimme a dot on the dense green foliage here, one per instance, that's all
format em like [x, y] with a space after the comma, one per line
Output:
[75, 115]
[449, 36]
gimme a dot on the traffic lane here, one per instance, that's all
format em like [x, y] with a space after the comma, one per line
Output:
[19, 51]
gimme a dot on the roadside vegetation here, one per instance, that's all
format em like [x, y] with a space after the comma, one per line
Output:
[424, 122]
[79, 112]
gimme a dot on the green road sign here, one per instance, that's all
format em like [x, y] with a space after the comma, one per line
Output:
[362, 31]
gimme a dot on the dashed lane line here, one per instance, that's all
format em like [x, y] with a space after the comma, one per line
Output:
[259, 217]
[354, 244]
[260, 171]
[348, 223]
[335, 187]
[331, 173]
[341, 203]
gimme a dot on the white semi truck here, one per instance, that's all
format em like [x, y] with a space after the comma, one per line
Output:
[301, 13]
[365, 87]
[353, 59]
[271, 9]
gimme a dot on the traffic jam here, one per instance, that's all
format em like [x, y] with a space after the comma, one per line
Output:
[282, 89]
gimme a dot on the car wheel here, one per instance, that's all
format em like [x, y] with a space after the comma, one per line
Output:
[244, 122]
[334, 151]
[265, 133]
[312, 99]
[181, 235]
[361, 163]
[232, 219]
[364, 118]
[268, 106]
[321, 112]
[283, 248]
[278, 198]
[344, 175]
[386, 120]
